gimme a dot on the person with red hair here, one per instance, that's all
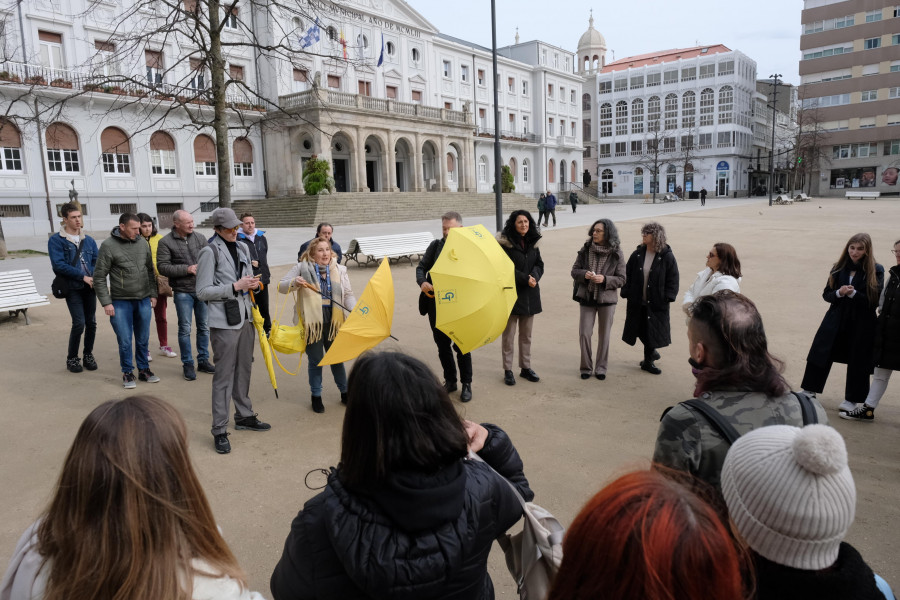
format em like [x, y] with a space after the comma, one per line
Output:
[645, 535]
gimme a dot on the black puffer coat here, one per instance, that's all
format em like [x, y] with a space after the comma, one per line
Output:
[421, 537]
[662, 290]
[887, 332]
[527, 261]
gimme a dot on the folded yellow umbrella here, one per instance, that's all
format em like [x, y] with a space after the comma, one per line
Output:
[474, 287]
[263, 341]
[369, 322]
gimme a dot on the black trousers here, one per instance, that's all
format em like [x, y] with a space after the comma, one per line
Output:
[644, 336]
[446, 348]
[262, 301]
[856, 388]
[82, 306]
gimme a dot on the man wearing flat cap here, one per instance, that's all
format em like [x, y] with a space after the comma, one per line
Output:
[224, 280]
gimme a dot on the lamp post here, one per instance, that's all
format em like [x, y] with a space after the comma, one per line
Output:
[774, 118]
[498, 191]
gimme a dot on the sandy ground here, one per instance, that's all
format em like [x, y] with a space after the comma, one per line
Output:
[573, 435]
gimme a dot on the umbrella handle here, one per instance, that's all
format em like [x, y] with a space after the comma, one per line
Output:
[253, 298]
[429, 294]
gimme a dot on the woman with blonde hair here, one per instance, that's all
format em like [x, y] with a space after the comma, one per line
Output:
[128, 518]
[324, 294]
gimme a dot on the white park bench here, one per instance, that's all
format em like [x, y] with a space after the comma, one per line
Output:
[403, 245]
[18, 293]
[801, 197]
[783, 199]
[857, 195]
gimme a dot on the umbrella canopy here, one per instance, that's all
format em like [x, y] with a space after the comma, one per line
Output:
[474, 287]
[370, 321]
[263, 341]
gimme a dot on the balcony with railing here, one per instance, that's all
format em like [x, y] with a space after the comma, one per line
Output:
[508, 135]
[370, 104]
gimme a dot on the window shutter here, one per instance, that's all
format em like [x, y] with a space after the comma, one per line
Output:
[61, 137]
[196, 64]
[153, 59]
[204, 149]
[104, 46]
[243, 151]
[47, 36]
[300, 75]
[9, 135]
[391, 92]
[236, 72]
[160, 140]
[115, 141]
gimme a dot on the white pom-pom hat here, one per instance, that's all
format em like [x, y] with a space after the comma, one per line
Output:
[790, 493]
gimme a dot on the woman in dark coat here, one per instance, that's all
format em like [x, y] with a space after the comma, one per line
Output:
[405, 515]
[847, 333]
[519, 239]
[599, 270]
[651, 284]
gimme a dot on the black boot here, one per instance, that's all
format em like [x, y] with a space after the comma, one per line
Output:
[317, 404]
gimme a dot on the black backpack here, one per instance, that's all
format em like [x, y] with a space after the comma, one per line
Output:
[729, 433]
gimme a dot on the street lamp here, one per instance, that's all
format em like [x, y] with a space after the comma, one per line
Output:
[772, 154]
[498, 171]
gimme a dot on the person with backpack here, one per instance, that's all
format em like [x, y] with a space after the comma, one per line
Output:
[737, 380]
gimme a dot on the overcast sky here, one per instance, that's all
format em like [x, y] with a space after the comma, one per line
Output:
[768, 31]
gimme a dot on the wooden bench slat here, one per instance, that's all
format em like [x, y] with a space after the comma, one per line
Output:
[18, 292]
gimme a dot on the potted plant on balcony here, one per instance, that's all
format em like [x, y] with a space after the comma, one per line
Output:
[259, 108]
[7, 76]
[59, 82]
[118, 91]
[36, 80]
[91, 87]
[242, 105]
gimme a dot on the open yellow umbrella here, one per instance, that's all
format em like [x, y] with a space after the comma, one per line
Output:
[263, 340]
[369, 322]
[474, 287]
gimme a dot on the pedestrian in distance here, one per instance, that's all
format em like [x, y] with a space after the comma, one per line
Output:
[128, 518]
[646, 535]
[598, 272]
[550, 210]
[542, 208]
[326, 231]
[129, 297]
[152, 236]
[847, 332]
[520, 240]
[324, 299]
[586, 179]
[73, 256]
[651, 285]
[404, 514]
[703, 196]
[887, 345]
[573, 200]
[258, 246]
[722, 272]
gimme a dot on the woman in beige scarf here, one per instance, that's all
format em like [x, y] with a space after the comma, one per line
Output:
[322, 318]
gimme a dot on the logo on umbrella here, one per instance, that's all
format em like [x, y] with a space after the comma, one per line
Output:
[448, 296]
[364, 310]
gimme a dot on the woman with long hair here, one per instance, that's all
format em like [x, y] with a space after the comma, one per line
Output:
[645, 535]
[324, 294]
[847, 332]
[722, 272]
[128, 518]
[404, 514]
[150, 233]
[887, 344]
[519, 239]
[599, 271]
[651, 284]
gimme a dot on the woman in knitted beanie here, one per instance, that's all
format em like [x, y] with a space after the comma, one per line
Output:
[792, 498]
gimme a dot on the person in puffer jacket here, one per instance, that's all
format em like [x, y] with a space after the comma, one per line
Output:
[404, 515]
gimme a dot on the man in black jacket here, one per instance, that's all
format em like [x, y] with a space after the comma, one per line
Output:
[427, 306]
[259, 250]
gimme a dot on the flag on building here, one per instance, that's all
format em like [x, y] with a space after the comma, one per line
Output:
[381, 56]
[311, 37]
[343, 41]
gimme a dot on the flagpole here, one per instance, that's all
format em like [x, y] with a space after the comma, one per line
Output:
[498, 192]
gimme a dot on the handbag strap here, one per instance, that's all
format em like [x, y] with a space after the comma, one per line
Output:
[475, 457]
[77, 252]
[807, 409]
[723, 427]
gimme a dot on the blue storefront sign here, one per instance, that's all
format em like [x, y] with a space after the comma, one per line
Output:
[722, 166]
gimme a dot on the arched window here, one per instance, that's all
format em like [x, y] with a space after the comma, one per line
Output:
[606, 181]
[688, 110]
[606, 120]
[726, 104]
[62, 149]
[637, 116]
[525, 171]
[514, 169]
[332, 33]
[671, 118]
[116, 151]
[162, 154]
[10, 146]
[653, 113]
[638, 180]
[707, 105]
[621, 118]
[585, 101]
[204, 156]
[551, 171]
[243, 158]
[451, 168]
[482, 169]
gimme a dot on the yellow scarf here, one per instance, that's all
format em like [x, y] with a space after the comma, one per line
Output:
[310, 305]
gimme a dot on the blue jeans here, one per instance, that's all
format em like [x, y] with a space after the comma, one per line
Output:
[186, 306]
[82, 306]
[132, 318]
[315, 352]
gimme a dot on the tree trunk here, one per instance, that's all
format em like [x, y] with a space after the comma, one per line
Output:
[220, 106]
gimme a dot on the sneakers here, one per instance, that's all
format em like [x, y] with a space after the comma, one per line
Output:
[509, 378]
[650, 367]
[251, 423]
[530, 375]
[206, 367]
[860, 413]
[847, 406]
[74, 365]
[223, 446]
[128, 381]
[189, 373]
[147, 375]
[167, 351]
[89, 363]
[149, 357]
[317, 405]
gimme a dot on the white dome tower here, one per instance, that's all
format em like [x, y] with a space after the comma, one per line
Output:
[591, 50]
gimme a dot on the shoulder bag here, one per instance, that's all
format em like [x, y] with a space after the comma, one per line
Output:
[60, 286]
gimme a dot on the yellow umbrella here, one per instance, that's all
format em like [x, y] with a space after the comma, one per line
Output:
[474, 287]
[369, 322]
[263, 340]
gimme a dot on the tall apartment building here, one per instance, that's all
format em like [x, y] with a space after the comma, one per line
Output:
[850, 86]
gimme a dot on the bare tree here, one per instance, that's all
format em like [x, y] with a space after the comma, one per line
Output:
[687, 153]
[809, 147]
[652, 150]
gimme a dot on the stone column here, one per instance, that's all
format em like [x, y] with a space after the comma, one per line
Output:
[418, 181]
[360, 161]
[468, 181]
[390, 158]
[440, 169]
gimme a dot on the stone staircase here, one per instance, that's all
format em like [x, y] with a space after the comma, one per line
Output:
[372, 207]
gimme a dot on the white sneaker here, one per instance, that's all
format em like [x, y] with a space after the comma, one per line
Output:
[149, 357]
[847, 406]
[167, 351]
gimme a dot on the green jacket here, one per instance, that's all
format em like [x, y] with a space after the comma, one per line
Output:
[129, 265]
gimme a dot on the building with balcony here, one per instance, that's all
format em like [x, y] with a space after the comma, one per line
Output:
[850, 90]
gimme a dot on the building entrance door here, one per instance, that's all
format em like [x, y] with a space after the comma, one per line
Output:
[339, 166]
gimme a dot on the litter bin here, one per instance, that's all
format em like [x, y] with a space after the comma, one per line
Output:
[693, 195]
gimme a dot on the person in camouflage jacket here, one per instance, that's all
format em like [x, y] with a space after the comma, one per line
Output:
[736, 376]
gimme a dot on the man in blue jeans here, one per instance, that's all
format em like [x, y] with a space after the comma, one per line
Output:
[129, 297]
[176, 258]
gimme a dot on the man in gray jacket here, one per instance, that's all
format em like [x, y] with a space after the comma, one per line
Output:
[176, 258]
[224, 278]
[129, 297]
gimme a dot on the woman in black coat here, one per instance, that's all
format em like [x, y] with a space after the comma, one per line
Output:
[651, 284]
[405, 515]
[847, 333]
[519, 239]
